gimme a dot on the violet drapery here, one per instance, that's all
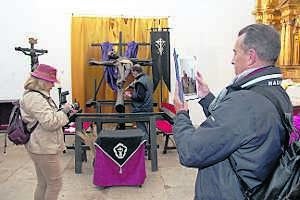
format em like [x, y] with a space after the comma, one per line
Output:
[132, 49]
[110, 73]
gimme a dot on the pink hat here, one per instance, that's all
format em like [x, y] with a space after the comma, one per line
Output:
[45, 72]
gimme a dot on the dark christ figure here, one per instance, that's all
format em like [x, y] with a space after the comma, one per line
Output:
[32, 52]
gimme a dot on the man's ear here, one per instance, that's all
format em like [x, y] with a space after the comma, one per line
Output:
[251, 57]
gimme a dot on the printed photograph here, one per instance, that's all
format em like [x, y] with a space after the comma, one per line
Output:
[187, 66]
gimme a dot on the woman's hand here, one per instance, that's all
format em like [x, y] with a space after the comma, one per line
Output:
[67, 108]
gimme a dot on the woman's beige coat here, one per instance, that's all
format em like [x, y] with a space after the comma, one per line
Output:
[47, 138]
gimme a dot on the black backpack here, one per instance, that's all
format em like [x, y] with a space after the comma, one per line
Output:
[284, 182]
[17, 131]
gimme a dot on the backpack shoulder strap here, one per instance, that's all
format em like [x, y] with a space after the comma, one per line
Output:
[286, 122]
[285, 117]
[35, 125]
[46, 97]
[14, 111]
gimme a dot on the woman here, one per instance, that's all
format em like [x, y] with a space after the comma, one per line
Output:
[46, 142]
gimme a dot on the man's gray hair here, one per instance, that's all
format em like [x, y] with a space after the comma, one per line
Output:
[137, 67]
[264, 39]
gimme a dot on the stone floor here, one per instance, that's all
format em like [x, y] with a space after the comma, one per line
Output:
[170, 182]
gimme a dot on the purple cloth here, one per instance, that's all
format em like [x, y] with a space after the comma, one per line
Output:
[108, 173]
[132, 50]
[295, 135]
[111, 74]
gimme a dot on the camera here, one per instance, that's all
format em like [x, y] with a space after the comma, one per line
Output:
[63, 97]
[75, 106]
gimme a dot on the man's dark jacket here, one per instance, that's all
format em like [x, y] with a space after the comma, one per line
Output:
[142, 95]
[244, 126]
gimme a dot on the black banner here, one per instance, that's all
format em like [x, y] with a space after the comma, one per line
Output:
[160, 53]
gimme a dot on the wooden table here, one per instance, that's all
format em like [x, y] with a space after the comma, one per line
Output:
[98, 104]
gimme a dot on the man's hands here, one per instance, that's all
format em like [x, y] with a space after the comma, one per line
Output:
[202, 87]
[128, 94]
[202, 91]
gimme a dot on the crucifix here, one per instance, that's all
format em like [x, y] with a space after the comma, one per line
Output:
[32, 52]
[121, 49]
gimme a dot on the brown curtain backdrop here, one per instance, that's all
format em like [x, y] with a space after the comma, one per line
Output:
[88, 30]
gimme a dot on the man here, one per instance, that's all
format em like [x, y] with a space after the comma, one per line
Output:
[141, 95]
[243, 129]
